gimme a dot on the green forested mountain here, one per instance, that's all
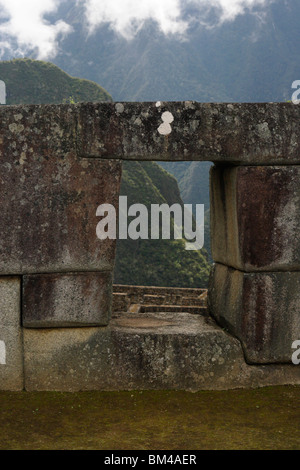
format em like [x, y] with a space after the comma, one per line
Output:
[36, 82]
[193, 181]
[156, 262]
[148, 262]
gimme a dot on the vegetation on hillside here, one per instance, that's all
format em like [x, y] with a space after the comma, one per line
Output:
[193, 182]
[156, 262]
[36, 82]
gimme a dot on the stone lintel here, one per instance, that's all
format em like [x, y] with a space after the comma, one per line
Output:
[239, 133]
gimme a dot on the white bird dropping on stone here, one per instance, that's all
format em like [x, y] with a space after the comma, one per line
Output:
[165, 128]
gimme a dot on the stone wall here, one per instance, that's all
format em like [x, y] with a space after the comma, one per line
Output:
[255, 284]
[128, 298]
[60, 162]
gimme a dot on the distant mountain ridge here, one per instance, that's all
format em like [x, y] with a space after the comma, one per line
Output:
[253, 58]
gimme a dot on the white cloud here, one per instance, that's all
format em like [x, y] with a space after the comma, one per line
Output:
[24, 22]
[23, 26]
[230, 9]
[128, 16]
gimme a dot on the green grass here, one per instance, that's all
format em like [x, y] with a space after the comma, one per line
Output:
[266, 418]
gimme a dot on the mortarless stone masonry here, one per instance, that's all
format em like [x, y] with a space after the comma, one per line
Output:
[261, 309]
[65, 300]
[255, 217]
[60, 162]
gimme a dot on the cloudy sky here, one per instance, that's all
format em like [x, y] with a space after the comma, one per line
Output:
[23, 26]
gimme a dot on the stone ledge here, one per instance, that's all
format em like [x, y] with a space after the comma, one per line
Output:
[157, 351]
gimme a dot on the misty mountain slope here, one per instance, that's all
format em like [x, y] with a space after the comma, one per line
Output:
[193, 180]
[257, 58]
[253, 58]
[149, 67]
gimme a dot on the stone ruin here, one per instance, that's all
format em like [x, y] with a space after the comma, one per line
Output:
[60, 162]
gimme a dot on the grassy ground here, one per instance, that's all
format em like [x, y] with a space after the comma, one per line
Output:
[266, 418]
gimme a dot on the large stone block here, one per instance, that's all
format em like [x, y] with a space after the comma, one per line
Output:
[49, 196]
[144, 352]
[240, 133]
[157, 351]
[11, 344]
[255, 217]
[261, 309]
[65, 300]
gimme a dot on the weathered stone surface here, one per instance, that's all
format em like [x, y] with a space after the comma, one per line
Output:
[245, 133]
[261, 309]
[42, 129]
[50, 189]
[11, 347]
[169, 351]
[255, 217]
[49, 196]
[57, 300]
[150, 351]
[237, 133]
